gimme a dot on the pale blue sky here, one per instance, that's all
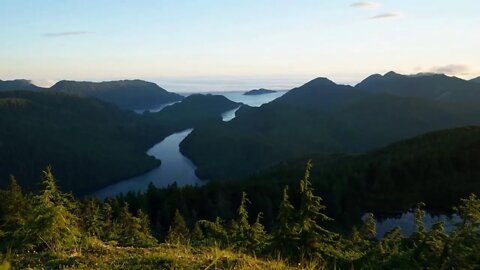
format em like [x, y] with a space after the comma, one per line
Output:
[188, 45]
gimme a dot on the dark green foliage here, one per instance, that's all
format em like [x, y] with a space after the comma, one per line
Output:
[53, 225]
[14, 207]
[134, 231]
[314, 240]
[178, 234]
[91, 218]
[245, 236]
[285, 235]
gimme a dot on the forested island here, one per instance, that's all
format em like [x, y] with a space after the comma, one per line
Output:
[260, 91]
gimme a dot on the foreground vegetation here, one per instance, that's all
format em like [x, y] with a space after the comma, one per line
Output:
[52, 230]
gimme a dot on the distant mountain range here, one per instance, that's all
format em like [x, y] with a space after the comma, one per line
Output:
[126, 94]
[260, 91]
[324, 117]
[428, 86]
[476, 80]
[19, 85]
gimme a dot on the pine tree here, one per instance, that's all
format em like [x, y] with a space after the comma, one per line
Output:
[285, 234]
[197, 234]
[241, 226]
[91, 217]
[315, 241]
[110, 227]
[257, 237]
[419, 219]
[178, 233]
[134, 231]
[462, 250]
[16, 209]
[215, 232]
[369, 228]
[54, 225]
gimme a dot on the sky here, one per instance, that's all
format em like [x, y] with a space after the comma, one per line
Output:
[213, 45]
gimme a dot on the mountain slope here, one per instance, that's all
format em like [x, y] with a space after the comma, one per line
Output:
[18, 85]
[127, 94]
[318, 117]
[476, 80]
[88, 142]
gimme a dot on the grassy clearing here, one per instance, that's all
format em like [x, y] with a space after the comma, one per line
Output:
[164, 256]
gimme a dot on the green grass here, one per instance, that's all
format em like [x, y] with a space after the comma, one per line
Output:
[101, 256]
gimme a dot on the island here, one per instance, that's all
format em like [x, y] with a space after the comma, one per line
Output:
[260, 91]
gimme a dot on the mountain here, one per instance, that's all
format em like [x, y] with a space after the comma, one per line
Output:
[320, 117]
[126, 94]
[193, 111]
[18, 85]
[437, 87]
[476, 80]
[260, 91]
[89, 143]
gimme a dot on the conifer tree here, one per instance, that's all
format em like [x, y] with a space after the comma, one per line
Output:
[15, 209]
[91, 217]
[464, 243]
[315, 241]
[285, 234]
[257, 237]
[54, 226]
[197, 234]
[241, 226]
[215, 232]
[369, 228]
[134, 231]
[110, 227]
[178, 233]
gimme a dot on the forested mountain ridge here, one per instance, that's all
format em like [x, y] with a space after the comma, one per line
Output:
[319, 117]
[476, 80]
[19, 85]
[437, 87]
[90, 143]
[127, 94]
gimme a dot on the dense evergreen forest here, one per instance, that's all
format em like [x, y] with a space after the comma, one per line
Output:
[90, 143]
[51, 229]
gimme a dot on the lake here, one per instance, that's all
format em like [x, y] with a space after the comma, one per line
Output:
[406, 222]
[175, 167]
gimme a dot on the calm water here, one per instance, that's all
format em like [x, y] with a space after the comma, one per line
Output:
[254, 101]
[175, 167]
[406, 223]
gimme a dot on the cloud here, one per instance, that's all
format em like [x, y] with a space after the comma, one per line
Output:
[64, 34]
[386, 15]
[452, 69]
[365, 4]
